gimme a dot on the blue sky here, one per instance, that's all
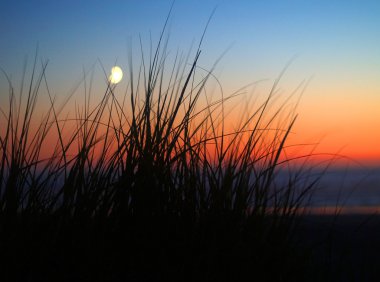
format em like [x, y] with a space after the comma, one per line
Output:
[264, 34]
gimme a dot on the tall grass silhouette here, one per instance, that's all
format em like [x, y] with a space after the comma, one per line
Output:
[150, 186]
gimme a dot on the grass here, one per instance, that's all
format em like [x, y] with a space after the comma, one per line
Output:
[152, 186]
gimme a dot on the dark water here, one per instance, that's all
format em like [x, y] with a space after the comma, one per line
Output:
[351, 187]
[354, 190]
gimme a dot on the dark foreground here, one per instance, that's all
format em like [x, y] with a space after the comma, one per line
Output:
[345, 248]
[320, 248]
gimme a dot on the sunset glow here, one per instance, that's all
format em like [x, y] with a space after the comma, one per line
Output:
[339, 108]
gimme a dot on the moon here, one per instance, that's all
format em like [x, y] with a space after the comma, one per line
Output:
[116, 75]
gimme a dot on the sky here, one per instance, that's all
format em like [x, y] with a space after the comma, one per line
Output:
[336, 45]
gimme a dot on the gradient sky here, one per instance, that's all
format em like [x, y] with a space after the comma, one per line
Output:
[336, 42]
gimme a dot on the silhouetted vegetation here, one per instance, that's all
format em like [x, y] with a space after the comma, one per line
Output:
[151, 186]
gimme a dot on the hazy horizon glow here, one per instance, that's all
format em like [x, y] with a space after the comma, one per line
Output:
[336, 44]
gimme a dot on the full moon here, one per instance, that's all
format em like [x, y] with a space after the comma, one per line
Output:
[116, 75]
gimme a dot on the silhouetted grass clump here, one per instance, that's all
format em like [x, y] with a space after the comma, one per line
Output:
[152, 186]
